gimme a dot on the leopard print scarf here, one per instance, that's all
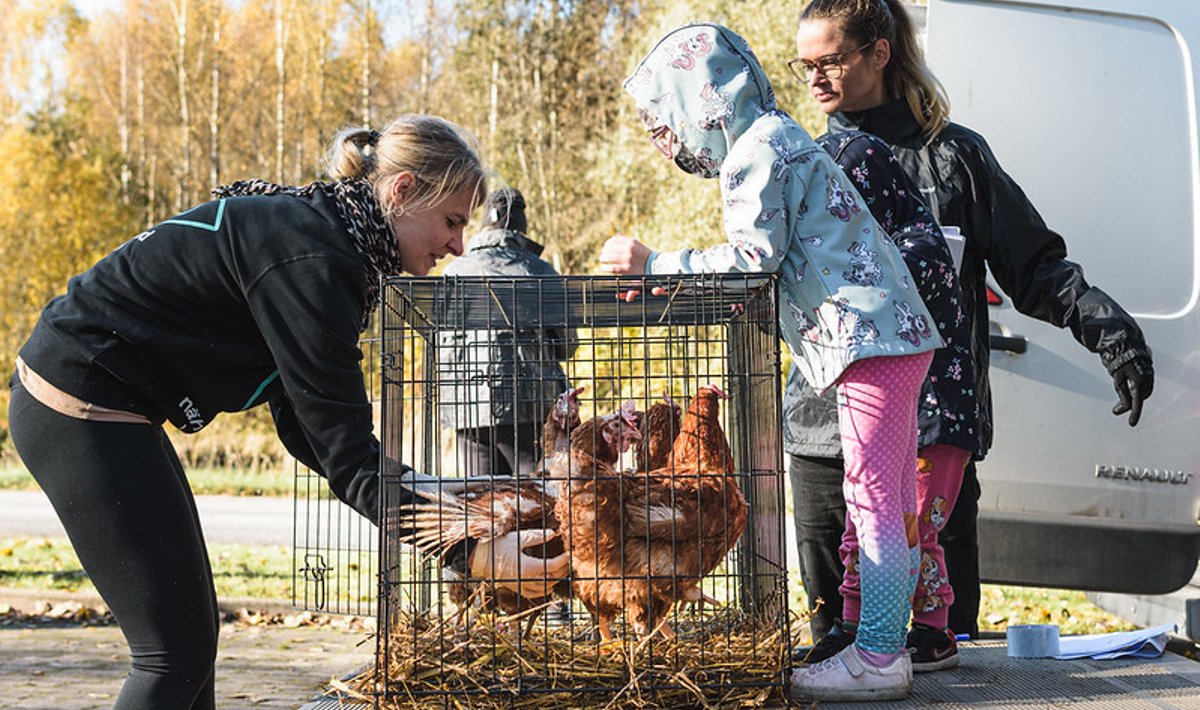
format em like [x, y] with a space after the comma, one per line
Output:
[368, 230]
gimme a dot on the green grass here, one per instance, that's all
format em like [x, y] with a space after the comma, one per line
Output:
[16, 478]
[235, 482]
[204, 481]
[238, 570]
[266, 572]
[1074, 614]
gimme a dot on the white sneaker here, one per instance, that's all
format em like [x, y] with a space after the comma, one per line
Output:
[847, 676]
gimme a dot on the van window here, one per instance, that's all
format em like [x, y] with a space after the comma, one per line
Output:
[1090, 112]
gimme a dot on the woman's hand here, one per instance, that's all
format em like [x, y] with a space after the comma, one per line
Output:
[624, 255]
[503, 560]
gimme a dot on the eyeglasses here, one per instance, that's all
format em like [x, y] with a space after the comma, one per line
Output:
[830, 66]
[664, 140]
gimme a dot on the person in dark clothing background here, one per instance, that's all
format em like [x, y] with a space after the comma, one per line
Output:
[503, 382]
[863, 64]
[258, 296]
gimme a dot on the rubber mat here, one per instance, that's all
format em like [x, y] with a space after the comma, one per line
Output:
[988, 678]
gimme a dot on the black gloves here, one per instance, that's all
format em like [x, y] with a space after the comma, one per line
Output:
[1134, 381]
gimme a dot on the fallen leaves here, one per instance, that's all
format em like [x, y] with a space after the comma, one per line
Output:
[294, 620]
[1071, 611]
[63, 612]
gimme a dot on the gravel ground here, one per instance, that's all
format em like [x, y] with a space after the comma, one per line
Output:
[67, 655]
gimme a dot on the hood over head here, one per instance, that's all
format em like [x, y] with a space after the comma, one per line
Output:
[704, 83]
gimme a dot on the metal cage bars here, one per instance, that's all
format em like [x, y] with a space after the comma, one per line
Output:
[719, 328]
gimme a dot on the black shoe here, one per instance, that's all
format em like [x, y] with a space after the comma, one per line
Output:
[829, 646]
[558, 614]
[931, 649]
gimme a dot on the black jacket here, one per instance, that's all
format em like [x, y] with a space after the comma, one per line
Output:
[501, 376]
[965, 186]
[236, 302]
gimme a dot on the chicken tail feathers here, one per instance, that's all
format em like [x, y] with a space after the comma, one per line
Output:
[445, 520]
[438, 525]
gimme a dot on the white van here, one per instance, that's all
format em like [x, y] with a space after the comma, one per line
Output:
[1091, 106]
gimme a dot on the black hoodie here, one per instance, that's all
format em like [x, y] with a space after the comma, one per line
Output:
[237, 302]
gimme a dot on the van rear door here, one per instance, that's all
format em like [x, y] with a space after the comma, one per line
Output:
[1091, 106]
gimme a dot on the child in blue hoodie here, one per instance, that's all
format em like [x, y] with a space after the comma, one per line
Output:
[849, 310]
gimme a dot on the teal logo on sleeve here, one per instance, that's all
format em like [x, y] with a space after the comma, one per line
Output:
[207, 216]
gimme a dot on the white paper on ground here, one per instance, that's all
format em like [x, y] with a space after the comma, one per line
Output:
[1143, 643]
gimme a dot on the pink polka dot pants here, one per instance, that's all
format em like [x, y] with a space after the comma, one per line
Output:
[877, 414]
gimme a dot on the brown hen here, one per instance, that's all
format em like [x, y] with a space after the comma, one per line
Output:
[659, 425]
[585, 510]
[641, 542]
[486, 510]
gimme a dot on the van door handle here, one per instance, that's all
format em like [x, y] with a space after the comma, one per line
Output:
[1008, 343]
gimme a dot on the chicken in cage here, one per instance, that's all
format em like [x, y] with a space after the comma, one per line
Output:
[642, 548]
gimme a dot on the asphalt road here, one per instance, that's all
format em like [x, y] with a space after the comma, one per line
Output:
[232, 519]
[277, 666]
[245, 520]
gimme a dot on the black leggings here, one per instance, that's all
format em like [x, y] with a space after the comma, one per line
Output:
[121, 494]
[820, 517]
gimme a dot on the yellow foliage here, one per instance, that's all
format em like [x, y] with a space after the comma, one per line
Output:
[245, 440]
[58, 216]
[151, 111]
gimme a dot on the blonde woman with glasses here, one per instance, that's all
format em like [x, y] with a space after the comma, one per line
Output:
[863, 65]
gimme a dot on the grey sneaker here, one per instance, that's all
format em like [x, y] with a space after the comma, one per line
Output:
[847, 677]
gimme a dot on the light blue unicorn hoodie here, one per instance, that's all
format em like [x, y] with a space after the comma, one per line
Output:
[845, 292]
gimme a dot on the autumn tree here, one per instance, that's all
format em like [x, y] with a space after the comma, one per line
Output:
[539, 83]
[115, 121]
[61, 212]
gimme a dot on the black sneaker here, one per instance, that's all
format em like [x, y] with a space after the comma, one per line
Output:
[931, 649]
[558, 614]
[830, 645]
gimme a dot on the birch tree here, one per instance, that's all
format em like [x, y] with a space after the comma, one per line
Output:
[183, 170]
[214, 108]
[281, 38]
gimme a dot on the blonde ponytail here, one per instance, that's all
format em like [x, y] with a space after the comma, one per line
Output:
[442, 158]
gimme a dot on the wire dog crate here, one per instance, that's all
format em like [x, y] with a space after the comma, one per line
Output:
[472, 370]
[335, 551]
